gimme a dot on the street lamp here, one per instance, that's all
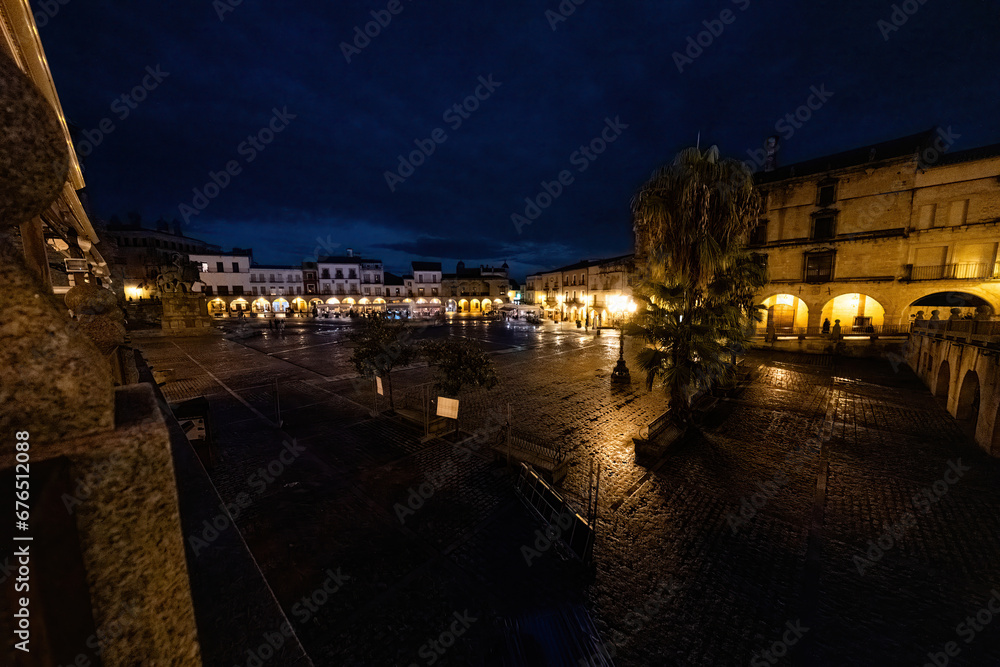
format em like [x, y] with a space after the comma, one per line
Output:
[620, 375]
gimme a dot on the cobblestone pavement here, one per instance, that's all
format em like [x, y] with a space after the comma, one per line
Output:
[823, 457]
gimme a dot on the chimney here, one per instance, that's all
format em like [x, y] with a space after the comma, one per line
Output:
[771, 153]
[350, 252]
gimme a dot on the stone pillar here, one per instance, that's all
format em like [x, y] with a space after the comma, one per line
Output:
[186, 313]
[56, 387]
[816, 317]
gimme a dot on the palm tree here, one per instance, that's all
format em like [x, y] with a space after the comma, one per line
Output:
[692, 219]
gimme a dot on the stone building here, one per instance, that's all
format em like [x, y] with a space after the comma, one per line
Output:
[351, 282]
[882, 235]
[140, 252]
[592, 291]
[476, 290]
[225, 280]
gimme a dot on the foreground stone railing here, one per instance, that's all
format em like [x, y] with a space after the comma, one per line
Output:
[984, 333]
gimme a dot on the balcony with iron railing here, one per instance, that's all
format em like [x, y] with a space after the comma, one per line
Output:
[964, 271]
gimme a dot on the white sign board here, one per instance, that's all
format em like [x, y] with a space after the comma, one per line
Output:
[447, 407]
[378, 386]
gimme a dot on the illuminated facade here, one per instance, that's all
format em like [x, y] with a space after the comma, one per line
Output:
[141, 252]
[478, 290]
[60, 245]
[876, 235]
[596, 291]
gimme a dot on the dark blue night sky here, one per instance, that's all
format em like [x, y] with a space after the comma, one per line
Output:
[324, 175]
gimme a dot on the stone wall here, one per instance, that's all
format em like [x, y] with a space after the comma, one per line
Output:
[954, 371]
[186, 313]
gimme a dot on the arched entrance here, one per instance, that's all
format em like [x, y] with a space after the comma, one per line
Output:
[463, 306]
[943, 381]
[216, 307]
[967, 408]
[299, 305]
[280, 305]
[261, 306]
[857, 312]
[785, 312]
[452, 306]
[239, 304]
[475, 306]
[487, 306]
[943, 302]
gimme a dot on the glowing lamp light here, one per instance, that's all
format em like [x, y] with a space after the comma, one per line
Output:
[784, 299]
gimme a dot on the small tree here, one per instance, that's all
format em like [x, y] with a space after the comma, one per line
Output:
[460, 362]
[381, 346]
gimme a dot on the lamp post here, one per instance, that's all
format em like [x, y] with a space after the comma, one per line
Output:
[620, 375]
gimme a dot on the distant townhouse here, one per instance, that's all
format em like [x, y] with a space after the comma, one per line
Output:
[597, 292]
[351, 282]
[278, 288]
[423, 287]
[225, 280]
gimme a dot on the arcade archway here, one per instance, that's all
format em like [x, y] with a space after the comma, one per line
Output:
[857, 312]
[785, 313]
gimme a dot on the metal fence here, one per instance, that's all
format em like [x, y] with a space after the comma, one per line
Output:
[553, 509]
